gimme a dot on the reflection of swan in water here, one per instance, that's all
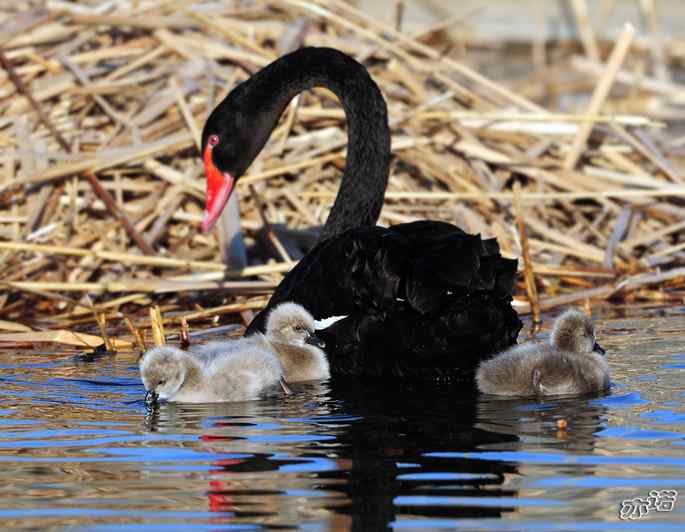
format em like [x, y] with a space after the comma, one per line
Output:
[388, 453]
[379, 442]
[366, 454]
[352, 446]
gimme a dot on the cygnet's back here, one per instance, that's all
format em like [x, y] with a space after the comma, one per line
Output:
[209, 352]
[567, 372]
[290, 330]
[571, 363]
[244, 374]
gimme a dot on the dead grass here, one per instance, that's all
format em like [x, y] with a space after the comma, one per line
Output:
[101, 188]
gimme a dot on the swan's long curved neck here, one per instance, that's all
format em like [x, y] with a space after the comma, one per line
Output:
[362, 189]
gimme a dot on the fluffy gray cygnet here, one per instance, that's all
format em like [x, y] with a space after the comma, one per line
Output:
[242, 369]
[291, 331]
[571, 363]
[291, 336]
[229, 375]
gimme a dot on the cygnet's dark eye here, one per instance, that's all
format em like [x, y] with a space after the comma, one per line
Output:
[213, 140]
[299, 328]
[161, 383]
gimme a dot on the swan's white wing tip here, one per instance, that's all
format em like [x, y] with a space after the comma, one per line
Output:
[324, 323]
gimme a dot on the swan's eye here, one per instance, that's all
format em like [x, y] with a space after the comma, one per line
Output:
[299, 328]
[213, 140]
[161, 383]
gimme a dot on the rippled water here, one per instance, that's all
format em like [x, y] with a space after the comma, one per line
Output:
[79, 450]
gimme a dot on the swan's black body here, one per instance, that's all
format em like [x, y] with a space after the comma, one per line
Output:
[423, 299]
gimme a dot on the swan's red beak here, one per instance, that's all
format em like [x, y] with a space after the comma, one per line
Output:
[219, 187]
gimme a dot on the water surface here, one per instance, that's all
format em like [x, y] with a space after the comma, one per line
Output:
[79, 450]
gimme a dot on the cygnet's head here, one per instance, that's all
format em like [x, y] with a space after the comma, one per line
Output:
[163, 370]
[290, 323]
[574, 331]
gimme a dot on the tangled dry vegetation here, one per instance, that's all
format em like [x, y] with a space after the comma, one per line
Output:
[101, 188]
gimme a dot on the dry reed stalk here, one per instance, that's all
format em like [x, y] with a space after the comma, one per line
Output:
[536, 197]
[234, 308]
[99, 190]
[43, 290]
[184, 335]
[271, 235]
[600, 292]
[284, 386]
[81, 95]
[671, 90]
[102, 325]
[528, 273]
[23, 89]
[247, 316]
[118, 213]
[14, 327]
[113, 256]
[157, 326]
[72, 338]
[136, 334]
[587, 34]
[616, 59]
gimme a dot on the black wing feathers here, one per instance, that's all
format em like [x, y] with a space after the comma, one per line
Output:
[423, 299]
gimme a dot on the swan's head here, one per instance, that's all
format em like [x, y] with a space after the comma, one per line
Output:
[290, 323]
[574, 331]
[163, 370]
[233, 136]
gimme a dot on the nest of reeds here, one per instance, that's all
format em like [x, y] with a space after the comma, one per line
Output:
[101, 187]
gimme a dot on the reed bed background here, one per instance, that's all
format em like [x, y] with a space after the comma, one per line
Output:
[575, 165]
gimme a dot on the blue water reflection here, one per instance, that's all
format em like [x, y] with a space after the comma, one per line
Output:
[80, 451]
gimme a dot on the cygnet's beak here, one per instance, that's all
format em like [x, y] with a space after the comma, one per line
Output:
[599, 349]
[316, 341]
[151, 398]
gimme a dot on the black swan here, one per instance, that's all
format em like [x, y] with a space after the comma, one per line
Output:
[421, 299]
